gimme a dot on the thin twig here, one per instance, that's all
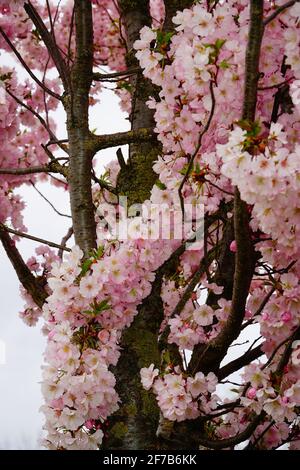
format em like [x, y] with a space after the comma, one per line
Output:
[277, 85]
[260, 308]
[49, 202]
[34, 77]
[188, 291]
[252, 445]
[37, 115]
[102, 77]
[50, 44]
[276, 350]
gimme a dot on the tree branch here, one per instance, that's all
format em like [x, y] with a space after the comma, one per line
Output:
[103, 77]
[80, 149]
[52, 167]
[212, 353]
[101, 142]
[278, 11]
[260, 308]
[232, 441]
[240, 362]
[37, 115]
[31, 284]
[204, 264]
[50, 44]
[64, 241]
[34, 77]
[3, 228]
[49, 202]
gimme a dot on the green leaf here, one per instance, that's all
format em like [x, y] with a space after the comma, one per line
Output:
[86, 267]
[98, 307]
[97, 253]
[184, 169]
[160, 185]
[125, 86]
[101, 306]
[197, 168]
[163, 39]
[224, 64]
[219, 44]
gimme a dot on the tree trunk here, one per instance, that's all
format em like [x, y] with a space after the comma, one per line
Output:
[135, 423]
[80, 148]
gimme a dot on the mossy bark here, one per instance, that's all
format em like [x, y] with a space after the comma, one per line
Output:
[136, 179]
[134, 425]
[76, 104]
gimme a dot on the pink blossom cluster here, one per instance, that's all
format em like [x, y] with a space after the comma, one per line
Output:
[180, 397]
[268, 181]
[85, 314]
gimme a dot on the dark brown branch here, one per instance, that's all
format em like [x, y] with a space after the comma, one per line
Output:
[31, 237]
[31, 284]
[50, 44]
[260, 308]
[34, 77]
[278, 11]
[240, 362]
[232, 441]
[122, 138]
[245, 256]
[287, 353]
[224, 443]
[252, 60]
[53, 167]
[277, 85]
[102, 77]
[252, 445]
[25, 171]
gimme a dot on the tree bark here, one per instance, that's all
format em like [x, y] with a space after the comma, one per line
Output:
[81, 150]
[134, 425]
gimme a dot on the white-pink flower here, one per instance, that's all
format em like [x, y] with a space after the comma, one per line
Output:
[148, 375]
[203, 315]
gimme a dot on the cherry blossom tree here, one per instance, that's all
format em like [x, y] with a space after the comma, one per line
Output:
[139, 326]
